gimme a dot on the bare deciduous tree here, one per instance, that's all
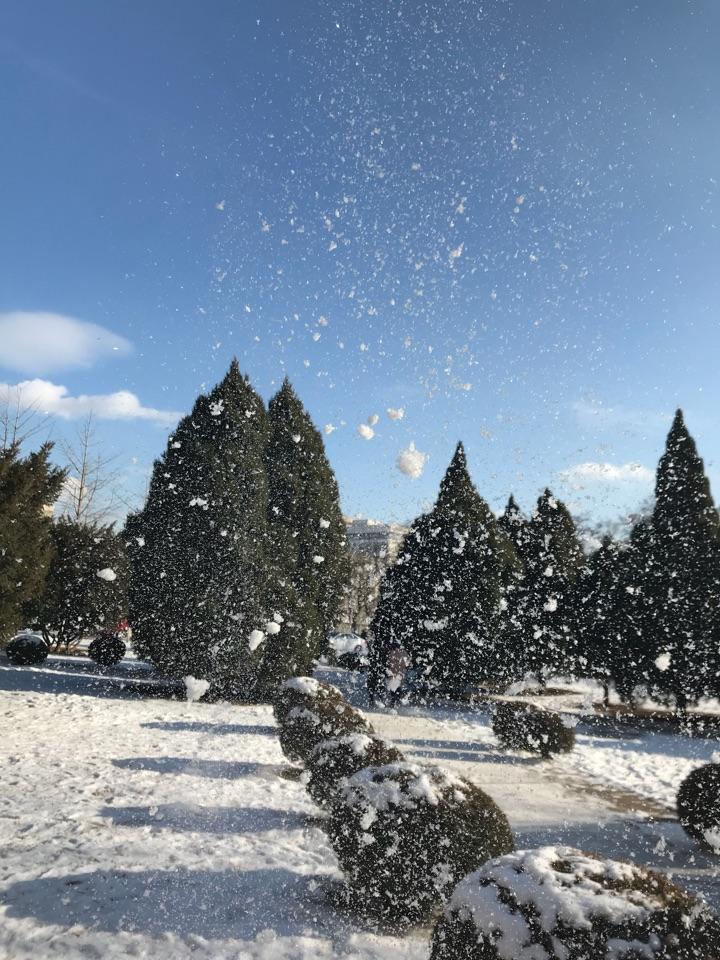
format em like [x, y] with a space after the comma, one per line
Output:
[89, 495]
[19, 419]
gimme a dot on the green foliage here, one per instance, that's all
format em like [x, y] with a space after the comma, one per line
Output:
[542, 608]
[333, 761]
[404, 835]
[76, 601]
[600, 613]
[305, 727]
[29, 486]
[309, 554]
[441, 599]
[600, 908]
[303, 692]
[676, 577]
[698, 805]
[198, 548]
[521, 726]
[27, 650]
[107, 649]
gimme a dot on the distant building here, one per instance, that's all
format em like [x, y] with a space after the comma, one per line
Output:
[373, 547]
[374, 538]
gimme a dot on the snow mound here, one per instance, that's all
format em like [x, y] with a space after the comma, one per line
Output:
[553, 903]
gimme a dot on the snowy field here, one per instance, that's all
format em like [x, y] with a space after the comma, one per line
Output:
[162, 829]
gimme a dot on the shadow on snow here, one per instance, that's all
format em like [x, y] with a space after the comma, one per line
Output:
[219, 728]
[192, 818]
[212, 769]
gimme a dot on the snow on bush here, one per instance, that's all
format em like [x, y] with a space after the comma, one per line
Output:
[195, 688]
[405, 834]
[255, 638]
[332, 761]
[556, 903]
[26, 649]
[107, 574]
[303, 692]
[303, 728]
[698, 805]
[107, 649]
[521, 726]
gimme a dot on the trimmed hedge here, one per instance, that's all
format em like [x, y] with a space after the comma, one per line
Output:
[303, 692]
[107, 649]
[27, 650]
[404, 834]
[522, 726]
[698, 805]
[303, 728]
[560, 904]
[333, 761]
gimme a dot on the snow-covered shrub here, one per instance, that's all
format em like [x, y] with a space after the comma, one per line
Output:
[698, 805]
[303, 692]
[332, 761]
[107, 649]
[404, 835]
[305, 727]
[26, 649]
[521, 726]
[557, 903]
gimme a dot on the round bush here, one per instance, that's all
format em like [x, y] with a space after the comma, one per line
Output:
[305, 727]
[303, 692]
[698, 805]
[333, 761]
[521, 726]
[27, 649]
[405, 834]
[107, 649]
[561, 904]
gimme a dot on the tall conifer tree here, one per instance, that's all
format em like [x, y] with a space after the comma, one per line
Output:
[441, 600]
[198, 548]
[678, 574]
[553, 560]
[307, 531]
[28, 486]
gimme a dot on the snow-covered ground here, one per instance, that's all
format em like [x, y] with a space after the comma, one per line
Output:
[162, 829]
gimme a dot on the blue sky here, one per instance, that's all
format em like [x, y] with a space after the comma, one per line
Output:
[500, 217]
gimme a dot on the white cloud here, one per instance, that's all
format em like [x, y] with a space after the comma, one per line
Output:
[411, 462]
[607, 473]
[54, 399]
[37, 343]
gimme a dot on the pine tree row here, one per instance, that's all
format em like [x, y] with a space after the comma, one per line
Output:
[474, 600]
[238, 559]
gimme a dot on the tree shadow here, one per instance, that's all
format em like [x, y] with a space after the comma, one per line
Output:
[212, 769]
[467, 751]
[83, 683]
[222, 904]
[192, 818]
[219, 728]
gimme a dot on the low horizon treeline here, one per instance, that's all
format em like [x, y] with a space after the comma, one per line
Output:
[236, 567]
[476, 599]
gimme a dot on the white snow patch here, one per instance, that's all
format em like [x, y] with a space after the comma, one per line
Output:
[107, 573]
[365, 431]
[195, 688]
[395, 413]
[255, 638]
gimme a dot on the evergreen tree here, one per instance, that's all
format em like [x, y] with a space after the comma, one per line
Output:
[199, 593]
[679, 575]
[552, 561]
[76, 599]
[599, 615]
[29, 487]
[513, 661]
[309, 557]
[441, 600]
